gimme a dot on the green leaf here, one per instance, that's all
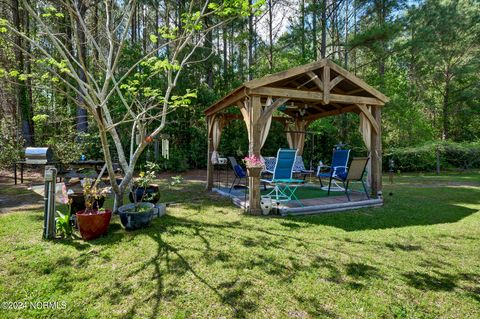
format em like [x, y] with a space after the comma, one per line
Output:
[14, 73]
[153, 38]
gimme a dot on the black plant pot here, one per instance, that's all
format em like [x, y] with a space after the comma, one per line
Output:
[140, 191]
[78, 202]
[132, 220]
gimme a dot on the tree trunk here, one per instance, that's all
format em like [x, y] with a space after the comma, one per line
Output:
[117, 200]
[270, 35]
[134, 26]
[82, 119]
[445, 111]
[314, 29]
[144, 28]
[323, 48]
[381, 12]
[208, 47]
[302, 22]
[354, 52]
[225, 59]
[28, 82]
[345, 47]
[24, 107]
[250, 43]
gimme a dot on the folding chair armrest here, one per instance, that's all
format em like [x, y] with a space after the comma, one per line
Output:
[333, 171]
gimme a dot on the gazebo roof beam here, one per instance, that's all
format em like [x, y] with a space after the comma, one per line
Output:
[304, 95]
[316, 80]
[347, 109]
[370, 117]
[335, 81]
[317, 107]
[231, 100]
[240, 117]
[350, 99]
[355, 91]
[285, 74]
[349, 76]
[288, 93]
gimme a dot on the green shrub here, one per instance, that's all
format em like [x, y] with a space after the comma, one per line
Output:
[176, 163]
[66, 150]
[11, 146]
[424, 158]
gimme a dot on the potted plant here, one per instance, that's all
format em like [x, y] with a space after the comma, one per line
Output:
[93, 222]
[143, 190]
[139, 214]
[254, 165]
[77, 199]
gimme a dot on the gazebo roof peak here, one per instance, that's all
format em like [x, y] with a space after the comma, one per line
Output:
[283, 75]
[323, 87]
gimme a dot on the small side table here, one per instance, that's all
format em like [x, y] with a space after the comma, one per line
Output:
[221, 166]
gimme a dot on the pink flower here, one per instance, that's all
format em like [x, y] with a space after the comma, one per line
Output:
[253, 161]
[64, 198]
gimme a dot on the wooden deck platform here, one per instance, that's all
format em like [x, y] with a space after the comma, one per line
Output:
[325, 204]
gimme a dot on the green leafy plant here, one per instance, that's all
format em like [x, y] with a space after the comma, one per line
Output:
[63, 221]
[143, 181]
[176, 180]
[63, 225]
[92, 193]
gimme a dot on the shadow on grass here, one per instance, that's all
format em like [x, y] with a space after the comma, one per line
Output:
[407, 208]
[169, 260]
[236, 293]
[468, 283]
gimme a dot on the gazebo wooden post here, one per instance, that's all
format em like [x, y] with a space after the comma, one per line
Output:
[376, 154]
[209, 153]
[254, 113]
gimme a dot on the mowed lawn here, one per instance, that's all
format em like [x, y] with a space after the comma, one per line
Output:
[416, 257]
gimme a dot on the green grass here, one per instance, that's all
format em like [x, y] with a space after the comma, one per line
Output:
[416, 257]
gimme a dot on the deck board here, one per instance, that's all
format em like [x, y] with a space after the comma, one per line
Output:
[333, 203]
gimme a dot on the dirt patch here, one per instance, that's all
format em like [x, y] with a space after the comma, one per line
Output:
[20, 198]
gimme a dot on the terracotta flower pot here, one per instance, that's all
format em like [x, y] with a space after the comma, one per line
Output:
[93, 225]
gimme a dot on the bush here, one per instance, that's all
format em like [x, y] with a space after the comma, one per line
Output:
[11, 146]
[423, 158]
[66, 150]
[176, 163]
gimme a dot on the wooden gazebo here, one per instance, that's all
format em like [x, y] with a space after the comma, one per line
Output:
[301, 95]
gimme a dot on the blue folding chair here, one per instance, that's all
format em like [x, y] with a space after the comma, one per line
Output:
[337, 168]
[299, 168]
[269, 164]
[238, 171]
[284, 185]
